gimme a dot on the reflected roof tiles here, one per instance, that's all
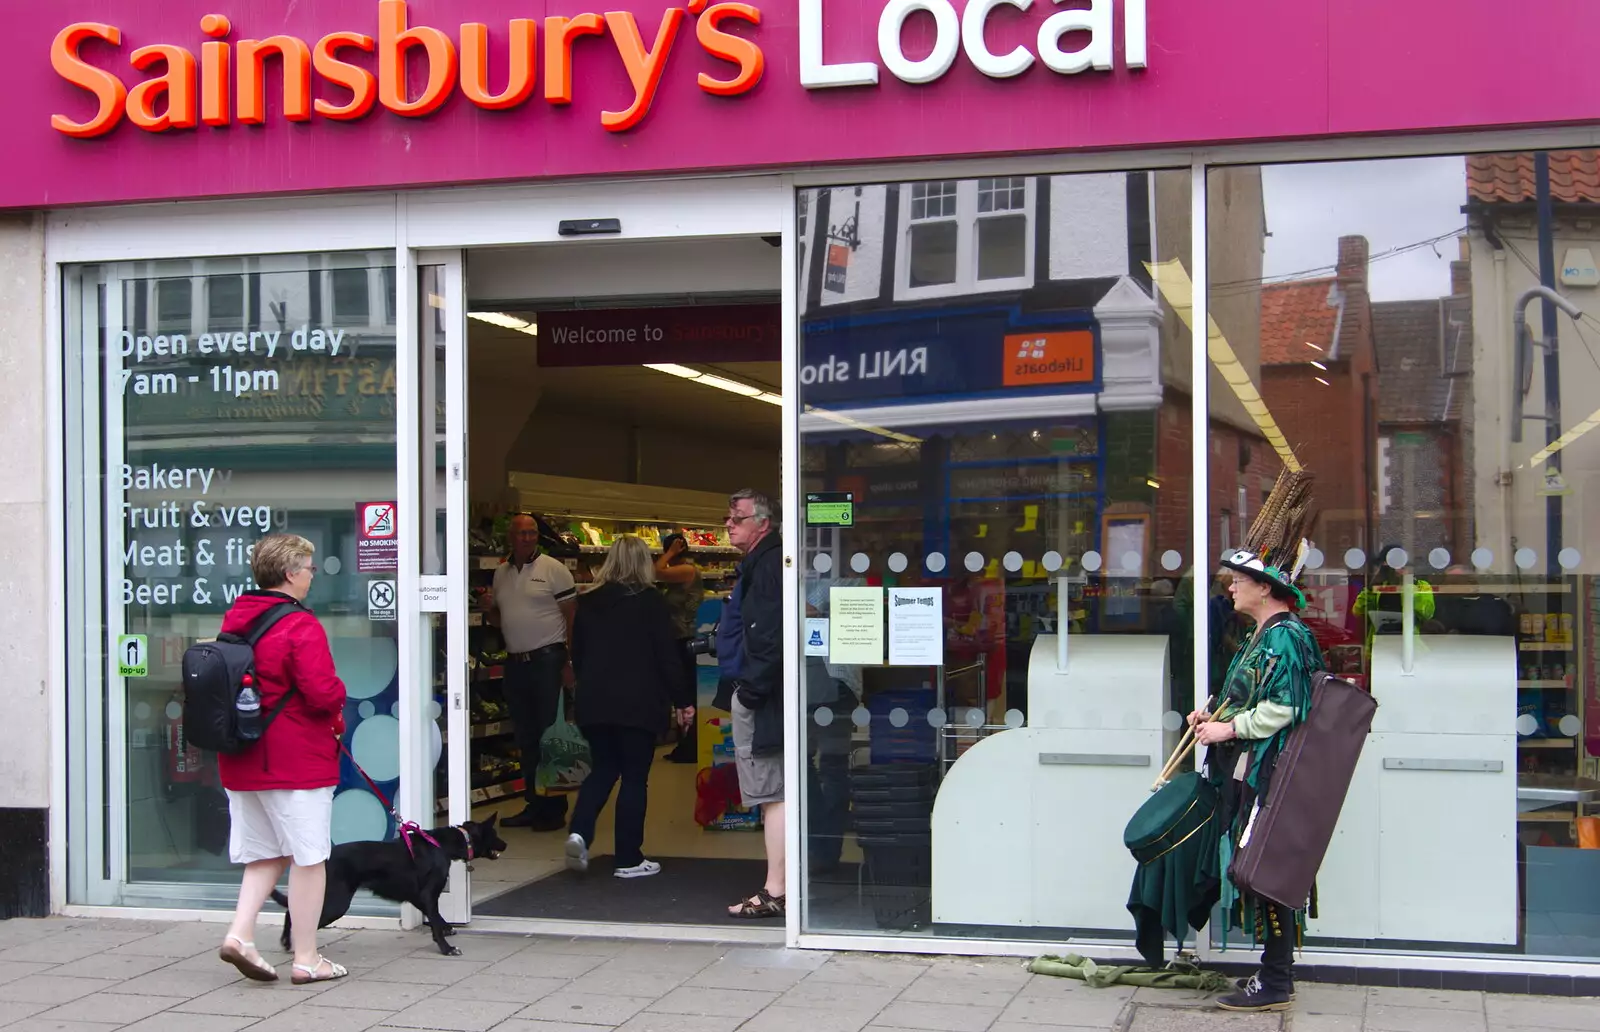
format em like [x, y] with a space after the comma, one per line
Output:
[1508, 178]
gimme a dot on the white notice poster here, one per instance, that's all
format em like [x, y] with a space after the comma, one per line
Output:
[916, 626]
[856, 628]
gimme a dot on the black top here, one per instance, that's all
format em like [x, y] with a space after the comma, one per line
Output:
[761, 672]
[627, 659]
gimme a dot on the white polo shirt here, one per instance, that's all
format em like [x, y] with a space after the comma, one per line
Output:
[529, 599]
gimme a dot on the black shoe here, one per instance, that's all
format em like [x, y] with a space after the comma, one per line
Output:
[521, 820]
[1254, 996]
[1240, 983]
[684, 753]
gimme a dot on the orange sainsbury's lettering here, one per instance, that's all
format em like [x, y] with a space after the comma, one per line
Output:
[558, 36]
[107, 88]
[362, 84]
[394, 39]
[176, 85]
[742, 52]
[217, 80]
[475, 64]
[252, 60]
[644, 66]
[214, 59]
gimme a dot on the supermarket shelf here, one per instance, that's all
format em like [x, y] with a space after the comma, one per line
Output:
[1542, 684]
[1502, 589]
[1544, 646]
[488, 793]
[490, 730]
[706, 550]
[1543, 817]
[1546, 743]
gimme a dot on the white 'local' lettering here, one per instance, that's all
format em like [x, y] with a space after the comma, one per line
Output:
[166, 478]
[954, 34]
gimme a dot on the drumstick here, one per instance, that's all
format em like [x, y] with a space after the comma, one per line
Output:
[1181, 753]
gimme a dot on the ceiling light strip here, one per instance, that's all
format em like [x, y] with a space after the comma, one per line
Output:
[506, 322]
[1178, 290]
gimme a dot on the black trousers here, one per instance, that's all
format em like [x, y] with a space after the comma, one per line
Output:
[624, 753]
[1277, 954]
[533, 690]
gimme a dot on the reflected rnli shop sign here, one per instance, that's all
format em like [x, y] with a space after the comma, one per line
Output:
[125, 100]
[874, 361]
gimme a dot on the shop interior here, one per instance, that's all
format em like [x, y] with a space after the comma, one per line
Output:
[602, 431]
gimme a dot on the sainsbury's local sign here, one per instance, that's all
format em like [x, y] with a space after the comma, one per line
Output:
[109, 101]
[171, 88]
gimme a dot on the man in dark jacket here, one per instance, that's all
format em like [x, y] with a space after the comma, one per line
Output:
[757, 691]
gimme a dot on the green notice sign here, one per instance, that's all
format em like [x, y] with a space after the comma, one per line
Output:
[836, 509]
[133, 655]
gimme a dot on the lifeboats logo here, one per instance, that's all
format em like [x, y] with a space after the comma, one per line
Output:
[227, 82]
[1033, 359]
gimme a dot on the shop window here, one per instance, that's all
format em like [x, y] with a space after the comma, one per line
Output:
[352, 302]
[174, 300]
[178, 460]
[1389, 382]
[966, 236]
[985, 489]
[225, 300]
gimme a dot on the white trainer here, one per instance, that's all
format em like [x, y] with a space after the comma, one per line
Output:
[643, 870]
[577, 853]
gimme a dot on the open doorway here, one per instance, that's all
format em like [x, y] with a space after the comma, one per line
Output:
[617, 388]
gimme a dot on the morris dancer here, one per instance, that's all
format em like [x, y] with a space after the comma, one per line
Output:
[1268, 686]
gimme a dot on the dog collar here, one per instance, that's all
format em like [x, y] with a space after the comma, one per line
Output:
[468, 836]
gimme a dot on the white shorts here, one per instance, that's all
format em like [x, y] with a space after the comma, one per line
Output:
[278, 822]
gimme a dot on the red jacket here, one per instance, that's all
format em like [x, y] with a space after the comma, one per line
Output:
[301, 748]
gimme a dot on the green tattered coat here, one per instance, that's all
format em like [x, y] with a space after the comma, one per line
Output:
[1269, 680]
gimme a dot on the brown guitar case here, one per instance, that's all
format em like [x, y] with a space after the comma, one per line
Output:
[1291, 832]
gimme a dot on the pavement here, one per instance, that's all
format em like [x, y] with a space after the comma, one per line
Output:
[79, 975]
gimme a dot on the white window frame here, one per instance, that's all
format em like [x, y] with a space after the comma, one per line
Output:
[966, 219]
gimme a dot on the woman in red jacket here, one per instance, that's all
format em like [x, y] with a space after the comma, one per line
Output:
[280, 789]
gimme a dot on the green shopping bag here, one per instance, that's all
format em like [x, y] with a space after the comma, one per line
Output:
[564, 759]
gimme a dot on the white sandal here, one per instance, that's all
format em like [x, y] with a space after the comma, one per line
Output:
[309, 972]
[258, 969]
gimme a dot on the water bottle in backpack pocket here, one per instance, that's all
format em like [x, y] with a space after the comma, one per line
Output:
[221, 694]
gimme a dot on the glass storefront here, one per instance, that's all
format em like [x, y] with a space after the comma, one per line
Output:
[996, 536]
[1454, 562]
[994, 449]
[211, 402]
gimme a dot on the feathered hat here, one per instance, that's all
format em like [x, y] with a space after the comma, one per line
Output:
[1275, 549]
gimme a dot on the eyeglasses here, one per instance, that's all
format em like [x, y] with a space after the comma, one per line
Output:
[730, 521]
[308, 569]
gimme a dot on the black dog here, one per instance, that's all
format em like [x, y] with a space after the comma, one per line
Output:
[393, 872]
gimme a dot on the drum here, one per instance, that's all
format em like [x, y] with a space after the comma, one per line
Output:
[1169, 818]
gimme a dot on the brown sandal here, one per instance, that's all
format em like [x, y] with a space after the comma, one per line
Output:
[759, 907]
[239, 956]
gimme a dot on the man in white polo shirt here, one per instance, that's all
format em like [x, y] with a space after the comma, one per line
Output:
[532, 602]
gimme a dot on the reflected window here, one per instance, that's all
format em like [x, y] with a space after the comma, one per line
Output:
[965, 236]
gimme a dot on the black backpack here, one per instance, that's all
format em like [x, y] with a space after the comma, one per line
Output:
[214, 673]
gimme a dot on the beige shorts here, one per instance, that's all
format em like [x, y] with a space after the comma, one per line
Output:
[278, 822]
[760, 777]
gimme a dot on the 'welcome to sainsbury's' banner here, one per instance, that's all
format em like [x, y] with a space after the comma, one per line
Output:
[121, 100]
